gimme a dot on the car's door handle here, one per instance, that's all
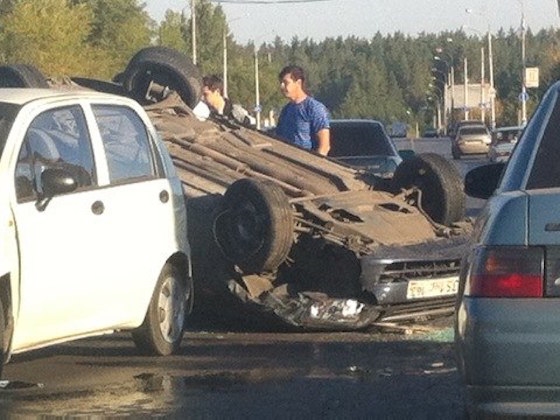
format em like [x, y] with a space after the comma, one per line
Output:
[97, 207]
[164, 196]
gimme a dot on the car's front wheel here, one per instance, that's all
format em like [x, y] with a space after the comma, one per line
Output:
[162, 330]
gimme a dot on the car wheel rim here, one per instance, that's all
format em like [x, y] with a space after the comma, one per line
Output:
[171, 310]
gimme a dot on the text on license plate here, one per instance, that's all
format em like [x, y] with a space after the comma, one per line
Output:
[418, 289]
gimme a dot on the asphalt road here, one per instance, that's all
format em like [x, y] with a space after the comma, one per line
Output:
[242, 375]
[248, 373]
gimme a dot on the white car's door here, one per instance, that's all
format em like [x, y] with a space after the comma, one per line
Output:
[90, 258]
[138, 201]
[61, 283]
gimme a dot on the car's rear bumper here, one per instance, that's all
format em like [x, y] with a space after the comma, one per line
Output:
[508, 352]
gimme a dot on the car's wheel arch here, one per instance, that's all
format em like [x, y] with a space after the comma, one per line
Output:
[184, 265]
[150, 337]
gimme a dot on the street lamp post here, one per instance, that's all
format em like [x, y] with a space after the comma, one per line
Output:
[451, 69]
[441, 99]
[225, 57]
[492, 90]
[445, 101]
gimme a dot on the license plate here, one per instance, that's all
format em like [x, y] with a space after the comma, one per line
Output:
[418, 289]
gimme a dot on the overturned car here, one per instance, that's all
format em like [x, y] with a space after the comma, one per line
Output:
[290, 234]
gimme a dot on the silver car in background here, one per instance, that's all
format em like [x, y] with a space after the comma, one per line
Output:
[504, 140]
[471, 140]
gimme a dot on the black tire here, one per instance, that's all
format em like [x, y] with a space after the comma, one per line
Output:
[166, 67]
[443, 197]
[162, 330]
[22, 75]
[255, 230]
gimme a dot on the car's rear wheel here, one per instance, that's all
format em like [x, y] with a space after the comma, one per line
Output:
[255, 230]
[443, 198]
[162, 330]
[165, 67]
[22, 75]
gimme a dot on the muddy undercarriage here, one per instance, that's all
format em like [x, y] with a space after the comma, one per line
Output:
[355, 246]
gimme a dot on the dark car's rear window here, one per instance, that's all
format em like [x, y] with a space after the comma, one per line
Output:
[359, 140]
[473, 130]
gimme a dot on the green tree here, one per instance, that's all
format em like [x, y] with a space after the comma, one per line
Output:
[118, 30]
[51, 34]
[171, 32]
[210, 28]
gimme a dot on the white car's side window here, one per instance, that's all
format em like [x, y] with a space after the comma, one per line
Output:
[126, 142]
[55, 139]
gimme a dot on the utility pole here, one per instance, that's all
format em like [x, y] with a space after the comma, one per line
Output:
[257, 94]
[466, 89]
[193, 27]
[492, 89]
[523, 81]
[225, 69]
[452, 71]
[482, 85]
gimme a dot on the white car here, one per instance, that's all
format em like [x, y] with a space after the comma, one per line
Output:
[92, 223]
[504, 140]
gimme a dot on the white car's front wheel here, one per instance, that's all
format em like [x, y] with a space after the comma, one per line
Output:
[162, 330]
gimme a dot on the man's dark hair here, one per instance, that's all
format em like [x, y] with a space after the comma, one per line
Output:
[213, 82]
[295, 72]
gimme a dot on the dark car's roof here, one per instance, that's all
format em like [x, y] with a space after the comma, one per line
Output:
[356, 121]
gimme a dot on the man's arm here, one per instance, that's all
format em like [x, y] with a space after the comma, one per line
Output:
[323, 141]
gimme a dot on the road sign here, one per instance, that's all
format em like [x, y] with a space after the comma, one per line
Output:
[523, 97]
[532, 77]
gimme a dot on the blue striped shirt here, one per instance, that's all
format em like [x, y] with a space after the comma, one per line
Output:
[299, 123]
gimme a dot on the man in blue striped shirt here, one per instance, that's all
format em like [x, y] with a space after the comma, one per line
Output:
[304, 121]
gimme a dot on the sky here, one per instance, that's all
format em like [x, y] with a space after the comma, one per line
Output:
[319, 19]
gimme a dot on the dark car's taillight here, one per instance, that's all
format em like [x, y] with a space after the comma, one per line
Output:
[506, 272]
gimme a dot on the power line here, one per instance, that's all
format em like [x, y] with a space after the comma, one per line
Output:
[268, 2]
